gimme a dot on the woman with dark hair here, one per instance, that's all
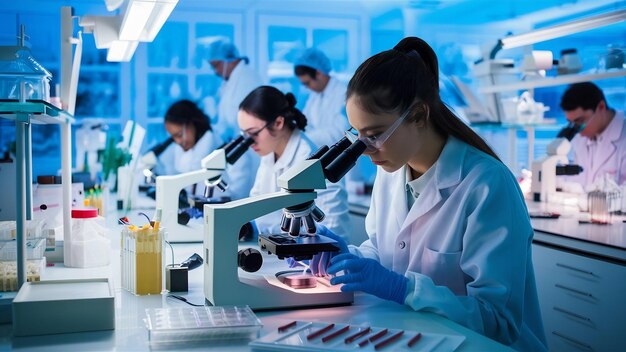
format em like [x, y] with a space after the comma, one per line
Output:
[191, 130]
[448, 228]
[276, 125]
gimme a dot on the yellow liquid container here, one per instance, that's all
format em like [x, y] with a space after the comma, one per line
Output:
[142, 260]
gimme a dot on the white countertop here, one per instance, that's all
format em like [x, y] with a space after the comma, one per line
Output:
[131, 334]
[608, 241]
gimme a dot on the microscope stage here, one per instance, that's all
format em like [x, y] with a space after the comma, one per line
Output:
[300, 248]
[198, 202]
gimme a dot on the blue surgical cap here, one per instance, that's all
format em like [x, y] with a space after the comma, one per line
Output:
[222, 50]
[314, 59]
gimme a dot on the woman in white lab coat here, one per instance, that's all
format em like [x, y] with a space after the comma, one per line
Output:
[277, 127]
[191, 130]
[448, 228]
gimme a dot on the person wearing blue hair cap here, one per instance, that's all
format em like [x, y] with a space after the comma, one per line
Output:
[239, 80]
[325, 108]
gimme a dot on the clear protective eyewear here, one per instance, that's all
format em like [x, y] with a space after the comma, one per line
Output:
[254, 134]
[374, 143]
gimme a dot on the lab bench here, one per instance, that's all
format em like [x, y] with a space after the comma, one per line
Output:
[130, 333]
[580, 271]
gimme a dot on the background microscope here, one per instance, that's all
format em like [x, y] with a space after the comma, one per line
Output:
[168, 188]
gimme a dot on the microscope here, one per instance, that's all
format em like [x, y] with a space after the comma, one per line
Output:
[150, 159]
[147, 162]
[168, 189]
[276, 286]
[545, 169]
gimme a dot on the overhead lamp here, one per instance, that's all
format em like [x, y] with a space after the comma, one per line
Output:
[558, 31]
[139, 21]
[121, 51]
[142, 19]
[105, 31]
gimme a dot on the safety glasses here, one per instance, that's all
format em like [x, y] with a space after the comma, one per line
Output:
[374, 143]
[254, 134]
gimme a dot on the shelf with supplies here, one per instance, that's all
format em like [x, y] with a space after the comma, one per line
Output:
[553, 81]
[25, 114]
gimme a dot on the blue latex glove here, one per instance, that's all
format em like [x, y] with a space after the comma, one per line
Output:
[321, 261]
[368, 275]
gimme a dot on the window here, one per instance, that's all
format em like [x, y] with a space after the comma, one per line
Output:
[173, 67]
[283, 37]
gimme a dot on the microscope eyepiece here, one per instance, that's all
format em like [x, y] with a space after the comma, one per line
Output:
[344, 162]
[160, 148]
[239, 149]
[334, 151]
[232, 144]
[570, 131]
[318, 153]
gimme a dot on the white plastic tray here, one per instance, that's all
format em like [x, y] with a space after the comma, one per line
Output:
[195, 324]
[295, 339]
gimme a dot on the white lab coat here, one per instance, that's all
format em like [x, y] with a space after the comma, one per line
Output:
[333, 201]
[325, 113]
[607, 155]
[465, 245]
[241, 82]
[237, 176]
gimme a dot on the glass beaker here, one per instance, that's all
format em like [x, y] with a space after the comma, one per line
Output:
[598, 207]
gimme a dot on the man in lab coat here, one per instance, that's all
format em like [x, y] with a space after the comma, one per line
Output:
[325, 108]
[600, 145]
[239, 80]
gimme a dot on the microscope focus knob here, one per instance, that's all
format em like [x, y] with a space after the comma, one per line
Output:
[249, 260]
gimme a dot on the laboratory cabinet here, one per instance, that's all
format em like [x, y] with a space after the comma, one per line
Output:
[582, 300]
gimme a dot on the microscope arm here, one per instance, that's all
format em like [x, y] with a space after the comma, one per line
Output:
[168, 187]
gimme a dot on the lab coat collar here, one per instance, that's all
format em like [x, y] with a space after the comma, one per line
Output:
[332, 82]
[614, 129]
[609, 138]
[448, 173]
[290, 151]
[449, 167]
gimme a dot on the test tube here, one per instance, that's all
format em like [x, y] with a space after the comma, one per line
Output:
[363, 332]
[317, 333]
[388, 341]
[336, 333]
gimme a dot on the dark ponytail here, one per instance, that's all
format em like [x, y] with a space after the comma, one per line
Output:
[185, 112]
[267, 103]
[394, 80]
